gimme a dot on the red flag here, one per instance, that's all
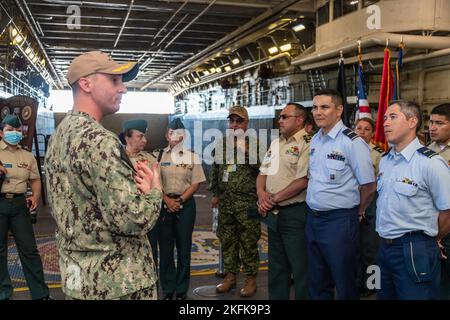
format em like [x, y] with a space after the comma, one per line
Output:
[386, 92]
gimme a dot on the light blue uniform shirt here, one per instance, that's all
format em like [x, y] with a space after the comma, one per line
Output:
[338, 165]
[412, 189]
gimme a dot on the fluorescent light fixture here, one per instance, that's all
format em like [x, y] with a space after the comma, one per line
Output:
[218, 70]
[206, 73]
[31, 55]
[236, 61]
[18, 39]
[286, 47]
[273, 50]
[14, 32]
[212, 70]
[352, 3]
[227, 68]
[35, 59]
[196, 80]
[27, 50]
[299, 27]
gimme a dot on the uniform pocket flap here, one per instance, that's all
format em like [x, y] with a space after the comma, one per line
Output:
[335, 164]
[405, 189]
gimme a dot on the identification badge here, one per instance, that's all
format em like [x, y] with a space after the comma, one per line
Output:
[165, 164]
[8, 165]
[225, 176]
[231, 168]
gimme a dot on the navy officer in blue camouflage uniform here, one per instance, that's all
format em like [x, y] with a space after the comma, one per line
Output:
[413, 209]
[341, 186]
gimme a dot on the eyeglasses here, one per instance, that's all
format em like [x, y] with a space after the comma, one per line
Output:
[284, 117]
[237, 120]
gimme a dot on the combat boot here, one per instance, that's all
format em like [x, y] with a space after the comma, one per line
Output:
[249, 288]
[228, 283]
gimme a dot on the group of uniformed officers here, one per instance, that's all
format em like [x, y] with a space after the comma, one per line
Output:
[343, 217]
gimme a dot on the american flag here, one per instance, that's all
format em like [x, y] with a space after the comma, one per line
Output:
[363, 104]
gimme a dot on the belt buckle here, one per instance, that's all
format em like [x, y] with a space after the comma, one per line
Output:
[9, 195]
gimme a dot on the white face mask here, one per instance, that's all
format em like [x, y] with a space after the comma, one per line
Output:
[176, 135]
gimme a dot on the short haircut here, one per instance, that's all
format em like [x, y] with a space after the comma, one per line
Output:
[75, 88]
[442, 110]
[300, 109]
[368, 120]
[409, 109]
[335, 95]
[309, 118]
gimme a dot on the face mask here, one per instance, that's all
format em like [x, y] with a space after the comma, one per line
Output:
[12, 137]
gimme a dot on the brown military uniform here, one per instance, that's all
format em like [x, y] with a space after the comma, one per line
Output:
[375, 155]
[21, 166]
[293, 163]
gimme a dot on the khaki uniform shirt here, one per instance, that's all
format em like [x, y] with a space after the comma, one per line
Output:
[375, 154]
[21, 166]
[143, 156]
[180, 168]
[444, 153]
[288, 163]
[102, 218]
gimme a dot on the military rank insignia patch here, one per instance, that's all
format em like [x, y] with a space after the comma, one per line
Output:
[351, 134]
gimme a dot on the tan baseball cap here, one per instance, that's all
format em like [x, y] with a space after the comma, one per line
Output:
[239, 111]
[99, 62]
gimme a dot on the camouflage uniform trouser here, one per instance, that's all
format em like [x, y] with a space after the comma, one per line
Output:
[144, 294]
[238, 236]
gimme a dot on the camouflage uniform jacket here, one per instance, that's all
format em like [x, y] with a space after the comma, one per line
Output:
[241, 178]
[102, 219]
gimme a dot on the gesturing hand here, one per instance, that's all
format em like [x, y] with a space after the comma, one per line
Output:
[147, 179]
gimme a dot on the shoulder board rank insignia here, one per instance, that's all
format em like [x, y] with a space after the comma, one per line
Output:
[427, 152]
[350, 133]
[379, 149]
[307, 138]
[387, 152]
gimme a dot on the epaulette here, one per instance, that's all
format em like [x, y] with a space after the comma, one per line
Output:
[387, 152]
[350, 133]
[307, 138]
[379, 149]
[427, 152]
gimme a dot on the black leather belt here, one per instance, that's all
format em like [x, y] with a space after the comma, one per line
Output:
[290, 205]
[413, 236]
[173, 195]
[11, 195]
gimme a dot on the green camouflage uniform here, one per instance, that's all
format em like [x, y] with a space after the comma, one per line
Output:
[102, 219]
[238, 233]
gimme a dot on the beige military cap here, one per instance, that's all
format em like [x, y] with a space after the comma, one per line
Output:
[239, 111]
[99, 62]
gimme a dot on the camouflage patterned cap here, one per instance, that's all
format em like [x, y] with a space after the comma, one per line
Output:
[12, 120]
[98, 62]
[239, 111]
[176, 124]
[136, 124]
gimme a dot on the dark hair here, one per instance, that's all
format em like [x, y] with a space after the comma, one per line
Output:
[368, 120]
[409, 109]
[301, 109]
[442, 110]
[335, 95]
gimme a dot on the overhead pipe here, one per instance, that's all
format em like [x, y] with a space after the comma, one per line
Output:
[163, 28]
[124, 23]
[237, 70]
[150, 59]
[41, 47]
[411, 41]
[181, 32]
[236, 35]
